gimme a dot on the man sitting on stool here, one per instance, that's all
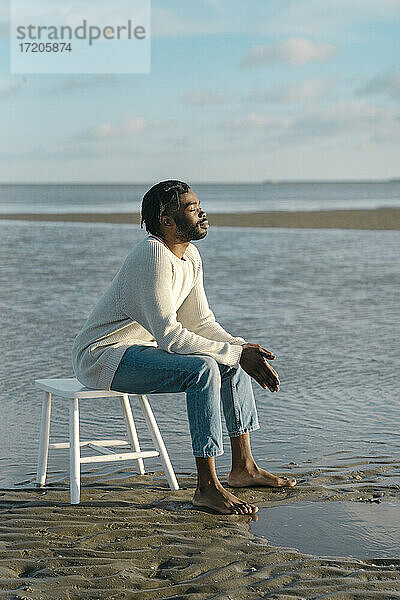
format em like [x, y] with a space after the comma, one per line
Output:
[153, 332]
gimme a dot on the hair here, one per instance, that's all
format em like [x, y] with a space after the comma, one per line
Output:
[162, 199]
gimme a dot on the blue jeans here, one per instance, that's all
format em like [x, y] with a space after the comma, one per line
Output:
[150, 370]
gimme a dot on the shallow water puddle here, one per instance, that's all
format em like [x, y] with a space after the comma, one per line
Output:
[360, 530]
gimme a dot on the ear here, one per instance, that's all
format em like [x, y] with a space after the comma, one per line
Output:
[167, 221]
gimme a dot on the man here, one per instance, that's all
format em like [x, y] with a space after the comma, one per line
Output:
[153, 332]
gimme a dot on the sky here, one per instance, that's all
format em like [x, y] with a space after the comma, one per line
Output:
[238, 92]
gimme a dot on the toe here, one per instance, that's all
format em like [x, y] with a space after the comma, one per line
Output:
[288, 482]
[248, 509]
[242, 508]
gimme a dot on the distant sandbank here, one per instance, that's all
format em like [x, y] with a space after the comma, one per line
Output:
[380, 218]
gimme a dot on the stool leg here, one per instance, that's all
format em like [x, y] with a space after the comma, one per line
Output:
[74, 452]
[131, 429]
[158, 442]
[44, 439]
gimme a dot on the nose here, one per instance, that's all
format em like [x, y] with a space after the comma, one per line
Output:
[202, 213]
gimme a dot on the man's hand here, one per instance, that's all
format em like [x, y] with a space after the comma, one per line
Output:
[254, 361]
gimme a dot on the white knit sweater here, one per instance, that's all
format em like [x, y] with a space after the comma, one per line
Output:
[155, 299]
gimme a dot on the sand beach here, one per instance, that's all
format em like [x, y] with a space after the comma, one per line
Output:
[377, 219]
[133, 538]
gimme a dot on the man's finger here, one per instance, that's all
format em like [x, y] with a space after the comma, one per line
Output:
[270, 387]
[260, 382]
[269, 371]
[268, 353]
[268, 375]
[271, 382]
[263, 382]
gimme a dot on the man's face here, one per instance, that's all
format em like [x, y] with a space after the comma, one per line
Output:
[191, 222]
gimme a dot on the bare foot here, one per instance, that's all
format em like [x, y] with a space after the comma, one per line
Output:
[218, 499]
[257, 476]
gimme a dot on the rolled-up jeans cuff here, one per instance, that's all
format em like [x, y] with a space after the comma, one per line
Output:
[243, 431]
[208, 454]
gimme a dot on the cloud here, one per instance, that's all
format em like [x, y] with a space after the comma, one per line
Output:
[258, 121]
[294, 51]
[67, 84]
[11, 89]
[275, 17]
[355, 120]
[107, 130]
[129, 127]
[337, 118]
[336, 17]
[168, 23]
[384, 84]
[77, 83]
[308, 89]
[48, 152]
[204, 97]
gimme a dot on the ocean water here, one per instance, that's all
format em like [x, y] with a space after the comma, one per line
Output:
[325, 301]
[214, 198]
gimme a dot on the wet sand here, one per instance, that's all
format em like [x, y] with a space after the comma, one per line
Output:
[381, 218]
[133, 538]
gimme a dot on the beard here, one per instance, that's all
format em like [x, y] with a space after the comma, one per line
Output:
[186, 232]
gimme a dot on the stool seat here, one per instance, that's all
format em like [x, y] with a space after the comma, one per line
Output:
[74, 391]
[72, 388]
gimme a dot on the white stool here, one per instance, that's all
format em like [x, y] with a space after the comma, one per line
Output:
[74, 391]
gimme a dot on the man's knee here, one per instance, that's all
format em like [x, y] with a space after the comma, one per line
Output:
[204, 369]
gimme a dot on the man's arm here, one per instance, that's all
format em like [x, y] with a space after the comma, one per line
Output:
[196, 311]
[146, 297]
